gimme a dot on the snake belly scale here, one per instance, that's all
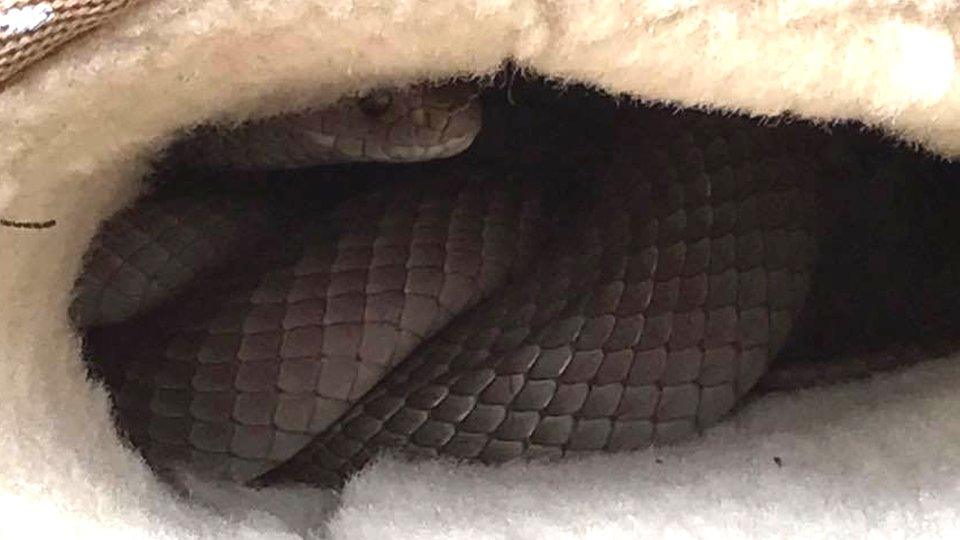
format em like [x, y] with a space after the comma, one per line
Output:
[550, 305]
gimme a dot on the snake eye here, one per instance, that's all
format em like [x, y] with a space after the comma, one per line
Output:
[376, 103]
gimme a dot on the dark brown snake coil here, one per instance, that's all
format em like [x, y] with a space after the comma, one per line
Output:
[626, 288]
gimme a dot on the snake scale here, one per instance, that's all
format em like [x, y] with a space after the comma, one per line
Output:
[588, 276]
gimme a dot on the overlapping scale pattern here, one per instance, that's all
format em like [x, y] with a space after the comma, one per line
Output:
[144, 255]
[657, 306]
[244, 371]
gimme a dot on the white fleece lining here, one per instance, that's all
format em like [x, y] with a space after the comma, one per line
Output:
[75, 134]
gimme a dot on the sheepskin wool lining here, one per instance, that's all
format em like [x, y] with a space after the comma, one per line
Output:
[77, 132]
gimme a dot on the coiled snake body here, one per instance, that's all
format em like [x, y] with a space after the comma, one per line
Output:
[508, 303]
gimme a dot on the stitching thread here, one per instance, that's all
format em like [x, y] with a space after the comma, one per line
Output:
[28, 224]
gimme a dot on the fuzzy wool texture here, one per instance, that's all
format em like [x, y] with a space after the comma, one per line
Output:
[76, 133]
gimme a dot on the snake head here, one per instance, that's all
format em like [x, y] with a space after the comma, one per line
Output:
[418, 123]
[400, 125]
